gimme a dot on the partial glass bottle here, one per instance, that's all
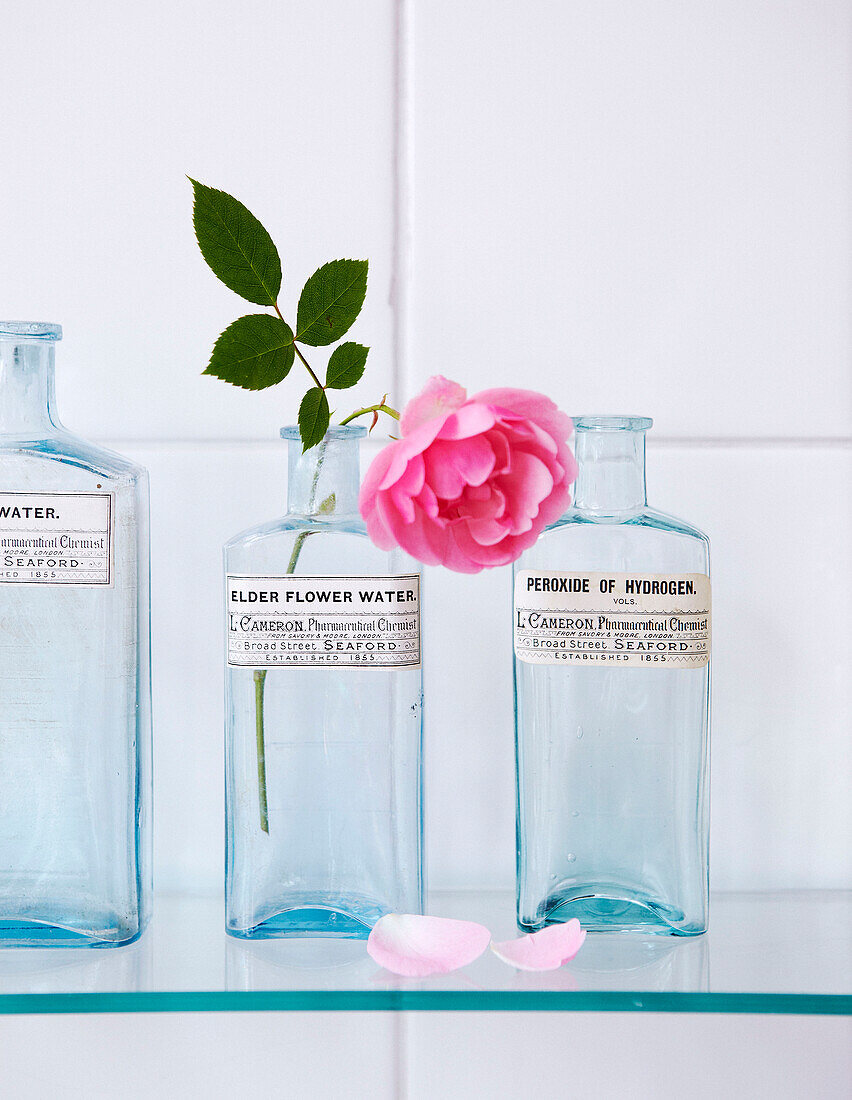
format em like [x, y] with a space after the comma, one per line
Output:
[75, 688]
[612, 693]
[323, 712]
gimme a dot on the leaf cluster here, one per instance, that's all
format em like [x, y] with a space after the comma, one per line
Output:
[259, 349]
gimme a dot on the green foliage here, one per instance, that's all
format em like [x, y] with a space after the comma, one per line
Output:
[258, 350]
[254, 352]
[313, 418]
[237, 248]
[345, 366]
[330, 301]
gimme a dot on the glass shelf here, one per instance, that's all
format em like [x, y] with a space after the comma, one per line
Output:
[765, 953]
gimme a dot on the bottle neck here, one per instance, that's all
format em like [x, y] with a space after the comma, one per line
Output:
[325, 480]
[27, 396]
[611, 469]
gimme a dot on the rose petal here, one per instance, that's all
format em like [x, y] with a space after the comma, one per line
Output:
[484, 556]
[409, 484]
[450, 466]
[439, 397]
[416, 946]
[428, 501]
[500, 447]
[472, 483]
[469, 420]
[529, 483]
[544, 950]
[456, 558]
[412, 537]
[374, 477]
[533, 406]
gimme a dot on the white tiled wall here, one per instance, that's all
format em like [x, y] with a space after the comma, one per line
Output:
[358, 1056]
[644, 205]
[635, 207]
[105, 108]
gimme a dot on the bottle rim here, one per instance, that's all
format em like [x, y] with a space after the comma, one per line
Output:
[30, 330]
[612, 423]
[334, 431]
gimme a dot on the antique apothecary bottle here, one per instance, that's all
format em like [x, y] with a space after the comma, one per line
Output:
[323, 712]
[75, 708]
[612, 682]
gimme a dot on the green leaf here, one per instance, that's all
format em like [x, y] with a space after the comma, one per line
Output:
[254, 352]
[235, 245]
[346, 366]
[313, 418]
[328, 505]
[330, 301]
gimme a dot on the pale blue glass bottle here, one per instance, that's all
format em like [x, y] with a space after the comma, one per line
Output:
[612, 689]
[75, 708]
[323, 737]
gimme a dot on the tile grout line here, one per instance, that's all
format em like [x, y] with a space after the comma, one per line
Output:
[403, 199]
[765, 442]
[402, 1090]
[672, 442]
[403, 221]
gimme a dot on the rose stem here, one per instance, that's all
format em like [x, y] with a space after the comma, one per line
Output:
[260, 673]
[380, 407]
[259, 678]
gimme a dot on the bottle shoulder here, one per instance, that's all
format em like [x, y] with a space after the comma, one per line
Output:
[289, 526]
[68, 450]
[645, 542]
[649, 518]
[319, 546]
[663, 521]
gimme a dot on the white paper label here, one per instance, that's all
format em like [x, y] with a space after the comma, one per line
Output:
[56, 538]
[639, 620]
[319, 621]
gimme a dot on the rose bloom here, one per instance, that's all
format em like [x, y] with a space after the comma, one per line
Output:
[472, 482]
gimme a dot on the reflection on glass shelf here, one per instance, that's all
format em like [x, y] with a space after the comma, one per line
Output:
[641, 963]
[298, 965]
[787, 952]
[74, 970]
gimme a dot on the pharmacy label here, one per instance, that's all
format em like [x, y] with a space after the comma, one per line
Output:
[56, 538]
[301, 621]
[638, 620]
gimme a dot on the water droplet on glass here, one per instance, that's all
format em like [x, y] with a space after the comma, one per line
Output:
[571, 857]
[575, 813]
[579, 733]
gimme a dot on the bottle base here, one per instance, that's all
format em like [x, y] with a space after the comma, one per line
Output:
[23, 933]
[342, 918]
[606, 910]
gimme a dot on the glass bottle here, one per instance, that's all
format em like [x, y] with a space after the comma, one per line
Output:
[612, 691]
[75, 707]
[323, 711]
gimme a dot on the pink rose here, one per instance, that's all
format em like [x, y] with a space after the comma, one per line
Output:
[473, 481]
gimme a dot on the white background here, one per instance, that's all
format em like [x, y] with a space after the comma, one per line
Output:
[636, 207]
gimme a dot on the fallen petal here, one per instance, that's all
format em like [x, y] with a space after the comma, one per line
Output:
[544, 950]
[416, 946]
